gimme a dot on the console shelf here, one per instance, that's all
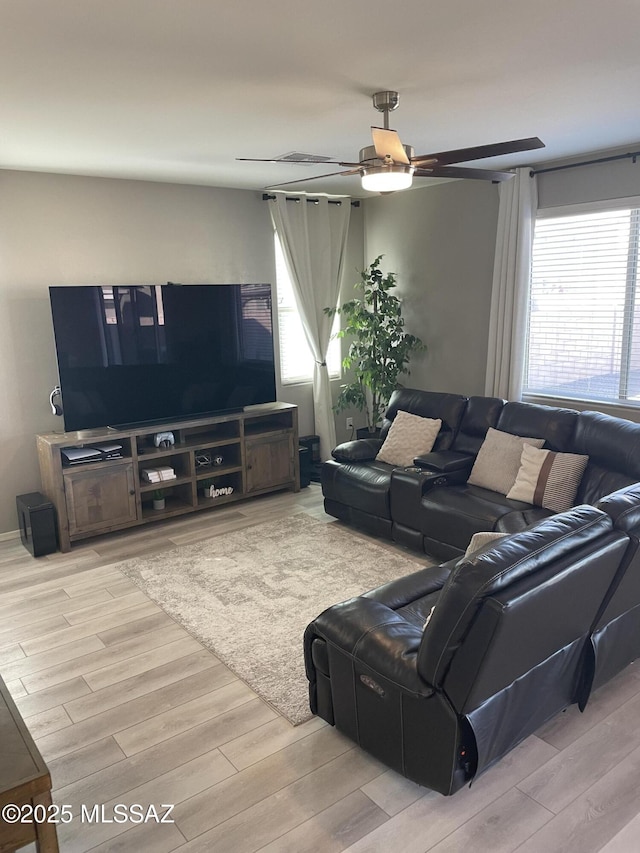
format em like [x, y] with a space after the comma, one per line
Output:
[251, 452]
[164, 486]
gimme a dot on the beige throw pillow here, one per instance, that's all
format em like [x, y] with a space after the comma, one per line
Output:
[481, 540]
[548, 479]
[428, 619]
[409, 436]
[498, 460]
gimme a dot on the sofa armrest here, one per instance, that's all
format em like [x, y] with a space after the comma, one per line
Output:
[361, 450]
[377, 637]
[409, 485]
[445, 461]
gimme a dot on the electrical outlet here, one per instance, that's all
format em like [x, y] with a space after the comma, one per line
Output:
[349, 423]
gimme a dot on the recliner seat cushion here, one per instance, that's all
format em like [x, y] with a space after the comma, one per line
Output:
[452, 514]
[514, 522]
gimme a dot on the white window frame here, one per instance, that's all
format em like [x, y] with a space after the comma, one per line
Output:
[632, 283]
[291, 333]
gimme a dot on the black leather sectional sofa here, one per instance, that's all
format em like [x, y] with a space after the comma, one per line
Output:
[434, 509]
[440, 673]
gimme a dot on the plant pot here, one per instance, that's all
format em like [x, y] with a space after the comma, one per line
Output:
[159, 503]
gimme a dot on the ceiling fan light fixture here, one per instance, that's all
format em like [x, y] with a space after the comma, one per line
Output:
[386, 179]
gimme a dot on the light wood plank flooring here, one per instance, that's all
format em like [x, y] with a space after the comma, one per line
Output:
[127, 708]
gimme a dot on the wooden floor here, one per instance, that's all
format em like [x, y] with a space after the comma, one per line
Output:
[127, 709]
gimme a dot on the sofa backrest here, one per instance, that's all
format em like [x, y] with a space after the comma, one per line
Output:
[428, 404]
[475, 578]
[480, 414]
[613, 447]
[529, 420]
[506, 640]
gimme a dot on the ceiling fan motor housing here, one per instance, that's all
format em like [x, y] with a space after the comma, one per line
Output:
[386, 101]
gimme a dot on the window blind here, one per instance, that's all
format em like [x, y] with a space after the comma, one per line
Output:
[584, 326]
[255, 323]
[296, 360]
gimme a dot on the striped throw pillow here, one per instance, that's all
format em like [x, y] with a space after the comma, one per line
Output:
[547, 478]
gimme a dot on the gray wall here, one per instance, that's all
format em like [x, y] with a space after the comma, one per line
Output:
[60, 229]
[440, 241]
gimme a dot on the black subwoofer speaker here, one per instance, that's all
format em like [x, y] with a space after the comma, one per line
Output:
[37, 520]
[312, 443]
[305, 466]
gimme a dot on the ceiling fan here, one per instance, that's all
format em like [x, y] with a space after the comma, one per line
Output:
[388, 165]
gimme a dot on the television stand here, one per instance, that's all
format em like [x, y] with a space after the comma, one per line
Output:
[240, 455]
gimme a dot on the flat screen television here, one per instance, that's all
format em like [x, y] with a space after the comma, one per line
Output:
[142, 354]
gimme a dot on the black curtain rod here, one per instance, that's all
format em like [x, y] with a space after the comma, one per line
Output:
[268, 197]
[631, 155]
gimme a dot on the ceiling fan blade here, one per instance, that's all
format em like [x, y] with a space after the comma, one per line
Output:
[387, 143]
[464, 155]
[296, 162]
[312, 178]
[460, 172]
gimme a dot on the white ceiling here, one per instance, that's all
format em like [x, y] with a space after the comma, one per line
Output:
[174, 90]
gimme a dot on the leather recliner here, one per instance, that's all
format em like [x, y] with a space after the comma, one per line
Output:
[504, 650]
[356, 487]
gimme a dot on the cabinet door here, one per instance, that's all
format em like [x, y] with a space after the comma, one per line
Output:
[100, 499]
[270, 461]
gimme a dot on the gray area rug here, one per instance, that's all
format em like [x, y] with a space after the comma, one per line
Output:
[248, 595]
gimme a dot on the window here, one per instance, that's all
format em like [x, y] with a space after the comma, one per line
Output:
[296, 360]
[584, 311]
[254, 333]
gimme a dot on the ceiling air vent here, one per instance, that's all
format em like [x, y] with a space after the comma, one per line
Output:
[298, 157]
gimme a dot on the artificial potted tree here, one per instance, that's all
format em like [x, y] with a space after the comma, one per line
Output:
[380, 348]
